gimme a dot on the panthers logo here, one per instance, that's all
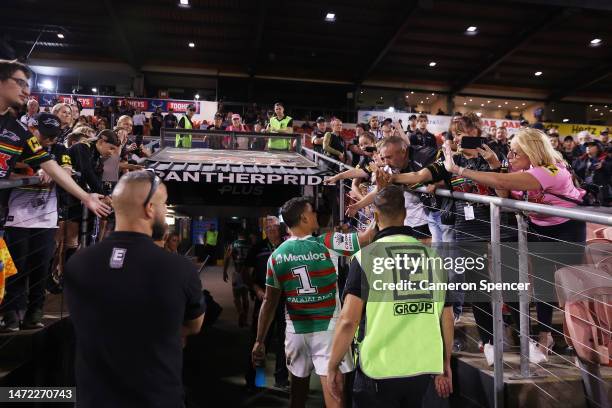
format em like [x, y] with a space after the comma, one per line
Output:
[552, 169]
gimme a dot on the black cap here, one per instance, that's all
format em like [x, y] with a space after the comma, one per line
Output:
[218, 115]
[524, 122]
[48, 125]
[388, 120]
[538, 125]
[320, 119]
[412, 117]
[191, 107]
[604, 132]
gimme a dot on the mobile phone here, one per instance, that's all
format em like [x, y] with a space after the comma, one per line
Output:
[370, 149]
[468, 142]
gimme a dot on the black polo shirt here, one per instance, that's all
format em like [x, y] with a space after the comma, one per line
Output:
[419, 138]
[258, 260]
[128, 300]
[86, 160]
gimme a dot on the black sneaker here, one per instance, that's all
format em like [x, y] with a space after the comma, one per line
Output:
[10, 322]
[32, 320]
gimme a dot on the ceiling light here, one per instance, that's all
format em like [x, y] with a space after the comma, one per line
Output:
[606, 106]
[470, 100]
[516, 107]
[330, 17]
[538, 73]
[191, 45]
[590, 106]
[390, 109]
[183, 3]
[411, 92]
[482, 104]
[552, 110]
[610, 110]
[595, 42]
[488, 101]
[432, 64]
[565, 120]
[601, 113]
[478, 114]
[433, 94]
[361, 92]
[197, 96]
[94, 90]
[505, 103]
[47, 84]
[596, 109]
[427, 98]
[465, 103]
[499, 106]
[60, 35]
[471, 30]
[421, 102]
[381, 97]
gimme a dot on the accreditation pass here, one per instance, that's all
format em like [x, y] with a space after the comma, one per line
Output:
[38, 394]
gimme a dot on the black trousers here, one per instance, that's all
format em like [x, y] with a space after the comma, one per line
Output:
[390, 393]
[31, 250]
[281, 373]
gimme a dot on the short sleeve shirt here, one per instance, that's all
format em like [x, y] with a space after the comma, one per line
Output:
[18, 144]
[305, 270]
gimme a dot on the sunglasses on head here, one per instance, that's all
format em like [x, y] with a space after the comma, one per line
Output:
[155, 181]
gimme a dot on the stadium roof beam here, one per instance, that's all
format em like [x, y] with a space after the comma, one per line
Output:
[584, 4]
[408, 14]
[117, 27]
[580, 80]
[508, 48]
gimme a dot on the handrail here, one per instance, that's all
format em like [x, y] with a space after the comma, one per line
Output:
[20, 182]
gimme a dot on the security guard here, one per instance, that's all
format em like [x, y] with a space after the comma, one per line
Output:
[132, 304]
[409, 333]
[279, 123]
[185, 123]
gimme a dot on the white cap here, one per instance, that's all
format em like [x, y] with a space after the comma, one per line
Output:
[584, 133]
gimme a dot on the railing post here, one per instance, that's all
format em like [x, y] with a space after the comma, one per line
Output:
[298, 143]
[162, 137]
[496, 299]
[84, 217]
[523, 294]
[341, 200]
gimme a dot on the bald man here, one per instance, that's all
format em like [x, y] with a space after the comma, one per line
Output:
[132, 303]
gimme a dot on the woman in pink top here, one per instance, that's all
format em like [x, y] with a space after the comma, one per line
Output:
[538, 174]
[241, 143]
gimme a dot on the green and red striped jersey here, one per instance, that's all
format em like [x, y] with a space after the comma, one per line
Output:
[305, 270]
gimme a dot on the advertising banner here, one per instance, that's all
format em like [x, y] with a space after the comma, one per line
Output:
[437, 123]
[570, 129]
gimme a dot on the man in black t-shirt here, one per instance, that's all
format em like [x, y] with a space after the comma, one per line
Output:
[257, 264]
[333, 144]
[422, 137]
[170, 120]
[132, 304]
[157, 121]
[317, 135]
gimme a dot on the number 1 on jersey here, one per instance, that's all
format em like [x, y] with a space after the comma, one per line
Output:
[306, 287]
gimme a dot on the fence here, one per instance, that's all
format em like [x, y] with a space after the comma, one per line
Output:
[595, 386]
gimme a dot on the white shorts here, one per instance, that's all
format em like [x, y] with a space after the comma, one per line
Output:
[312, 350]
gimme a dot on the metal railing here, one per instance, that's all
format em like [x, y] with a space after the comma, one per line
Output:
[495, 205]
[228, 139]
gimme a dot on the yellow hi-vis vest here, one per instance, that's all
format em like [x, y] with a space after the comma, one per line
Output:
[211, 237]
[184, 140]
[402, 335]
[275, 126]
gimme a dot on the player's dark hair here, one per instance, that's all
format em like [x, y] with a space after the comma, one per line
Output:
[9, 67]
[390, 201]
[293, 209]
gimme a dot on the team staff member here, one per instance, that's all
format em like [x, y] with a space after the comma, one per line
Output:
[237, 251]
[131, 303]
[256, 264]
[398, 353]
[333, 144]
[303, 271]
[18, 144]
[185, 123]
[279, 123]
[30, 230]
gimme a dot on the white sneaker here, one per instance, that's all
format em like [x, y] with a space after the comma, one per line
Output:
[489, 354]
[535, 354]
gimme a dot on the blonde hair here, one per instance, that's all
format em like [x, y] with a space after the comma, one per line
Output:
[537, 146]
[56, 108]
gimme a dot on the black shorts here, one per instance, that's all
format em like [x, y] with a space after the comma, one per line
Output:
[394, 392]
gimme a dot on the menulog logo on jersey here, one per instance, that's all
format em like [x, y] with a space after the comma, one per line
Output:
[299, 258]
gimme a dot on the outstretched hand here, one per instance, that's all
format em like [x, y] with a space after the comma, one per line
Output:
[449, 163]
